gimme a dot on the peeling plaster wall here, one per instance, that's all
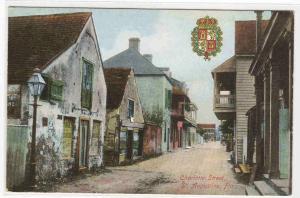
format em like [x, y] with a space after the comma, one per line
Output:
[67, 68]
[152, 94]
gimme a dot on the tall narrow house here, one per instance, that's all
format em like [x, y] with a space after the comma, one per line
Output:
[234, 86]
[154, 88]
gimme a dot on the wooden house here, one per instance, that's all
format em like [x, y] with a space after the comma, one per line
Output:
[124, 131]
[233, 86]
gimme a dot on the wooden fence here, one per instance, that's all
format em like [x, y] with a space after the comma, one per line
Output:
[17, 138]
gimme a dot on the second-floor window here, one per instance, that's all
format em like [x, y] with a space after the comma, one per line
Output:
[130, 108]
[87, 84]
[53, 89]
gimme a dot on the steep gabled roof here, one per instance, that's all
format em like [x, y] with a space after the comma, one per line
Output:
[131, 58]
[116, 80]
[245, 36]
[33, 41]
[228, 66]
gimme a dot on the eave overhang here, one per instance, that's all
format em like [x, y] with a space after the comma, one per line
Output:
[275, 29]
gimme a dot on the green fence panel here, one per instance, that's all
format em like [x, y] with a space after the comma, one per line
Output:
[17, 139]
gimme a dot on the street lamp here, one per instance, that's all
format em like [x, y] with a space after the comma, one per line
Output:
[36, 85]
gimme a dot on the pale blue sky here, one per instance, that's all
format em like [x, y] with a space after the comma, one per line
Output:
[166, 34]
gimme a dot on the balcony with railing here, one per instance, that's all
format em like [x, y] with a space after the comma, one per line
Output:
[190, 117]
[185, 110]
[224, 89]
[225, 101]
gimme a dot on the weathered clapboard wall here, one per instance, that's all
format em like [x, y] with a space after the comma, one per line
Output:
[245, 99]
[17, 138]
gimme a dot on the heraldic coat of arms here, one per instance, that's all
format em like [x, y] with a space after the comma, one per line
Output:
[207, 37]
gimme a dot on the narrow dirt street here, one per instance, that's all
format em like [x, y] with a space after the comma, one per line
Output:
[203, 169]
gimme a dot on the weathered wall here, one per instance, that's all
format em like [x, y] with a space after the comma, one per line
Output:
[67, 68]
[245, 99]
[152, 95]
[150, 90]
[151, 140]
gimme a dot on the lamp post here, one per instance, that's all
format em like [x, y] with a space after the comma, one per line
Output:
[36, 85]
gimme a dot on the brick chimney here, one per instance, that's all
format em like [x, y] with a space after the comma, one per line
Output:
[148, 57]
[134, 43]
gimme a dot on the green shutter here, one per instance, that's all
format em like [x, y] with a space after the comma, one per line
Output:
[169, 99]
[53, 89]
[166, 98]
[57, 87]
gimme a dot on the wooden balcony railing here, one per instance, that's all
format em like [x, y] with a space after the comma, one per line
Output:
[224, 101]
[189, 116]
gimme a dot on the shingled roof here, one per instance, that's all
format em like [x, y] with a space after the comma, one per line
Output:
[131, 58]
[245, 36]
[116, 80]
[34, 41]
[227, 66]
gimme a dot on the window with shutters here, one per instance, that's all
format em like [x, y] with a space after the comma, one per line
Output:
[87, 84]
[57, 88]
[53, 89]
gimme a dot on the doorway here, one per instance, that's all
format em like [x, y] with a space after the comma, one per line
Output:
[129, 144]
[83, 143]
[69, 126]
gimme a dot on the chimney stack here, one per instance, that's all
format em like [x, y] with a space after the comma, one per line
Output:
[258, 28]
[134, 43]
[148, 57]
